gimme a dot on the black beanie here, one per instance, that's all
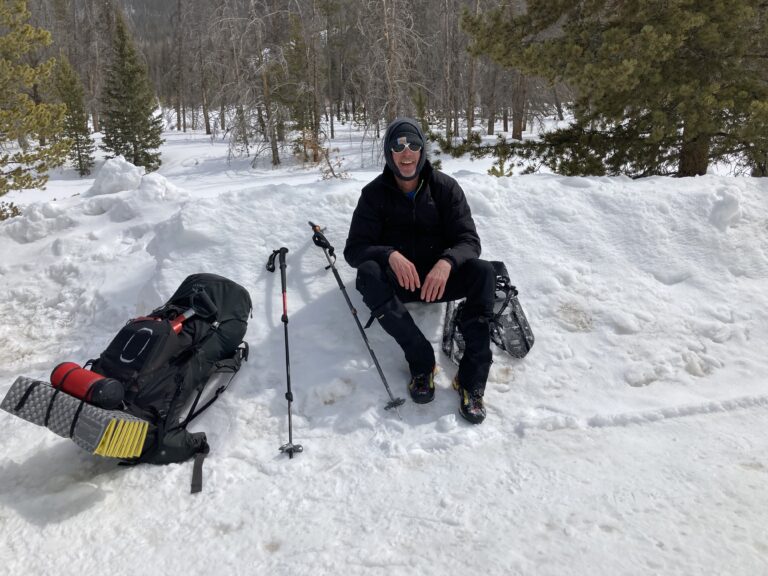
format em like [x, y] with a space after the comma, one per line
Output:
[398, 128]
[409, 131]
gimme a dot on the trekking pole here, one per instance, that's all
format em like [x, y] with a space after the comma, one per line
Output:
[321, 241]
[290, 447]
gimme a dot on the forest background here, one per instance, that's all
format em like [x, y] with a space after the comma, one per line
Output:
[645, 87]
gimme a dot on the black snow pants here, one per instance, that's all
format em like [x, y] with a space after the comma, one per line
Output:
[475, 280]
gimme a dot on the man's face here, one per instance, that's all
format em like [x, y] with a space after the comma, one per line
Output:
[407, 160]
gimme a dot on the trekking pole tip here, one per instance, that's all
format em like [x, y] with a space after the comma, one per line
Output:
[394, 403]
[291, 449]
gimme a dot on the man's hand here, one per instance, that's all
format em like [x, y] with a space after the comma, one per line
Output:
[405, 271]
[434, 283]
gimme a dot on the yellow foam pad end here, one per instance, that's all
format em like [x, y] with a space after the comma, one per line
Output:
[105, 439]
[116, 436]
[140, 439]
[123, 439]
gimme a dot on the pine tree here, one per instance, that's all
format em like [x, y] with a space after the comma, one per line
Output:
[131, 128]
[22, 120]
[76, 128]
[663, 86]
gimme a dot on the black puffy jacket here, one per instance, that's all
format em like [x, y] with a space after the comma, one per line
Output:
[436, 224]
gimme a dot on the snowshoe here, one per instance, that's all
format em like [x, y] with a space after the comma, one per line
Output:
[453, 340]
[509, 327]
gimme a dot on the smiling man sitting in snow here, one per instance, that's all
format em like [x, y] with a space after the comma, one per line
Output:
[412, 238]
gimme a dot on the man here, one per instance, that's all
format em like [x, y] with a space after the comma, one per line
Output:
[412, 238]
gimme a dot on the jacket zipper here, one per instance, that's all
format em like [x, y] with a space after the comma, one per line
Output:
[413, 215]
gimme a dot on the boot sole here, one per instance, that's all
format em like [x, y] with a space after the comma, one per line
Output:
[470, 419]
[422, 400]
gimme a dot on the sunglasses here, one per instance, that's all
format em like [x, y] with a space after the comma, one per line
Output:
[399, 148]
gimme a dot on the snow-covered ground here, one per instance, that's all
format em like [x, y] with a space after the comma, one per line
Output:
[631, 440]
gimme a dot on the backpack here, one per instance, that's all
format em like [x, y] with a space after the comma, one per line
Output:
[164, 361]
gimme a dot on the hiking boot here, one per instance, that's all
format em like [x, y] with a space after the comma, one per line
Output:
[422, 387]
[471, 406]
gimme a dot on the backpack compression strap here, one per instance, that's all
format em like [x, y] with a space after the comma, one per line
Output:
[231, 365]
[197, 468]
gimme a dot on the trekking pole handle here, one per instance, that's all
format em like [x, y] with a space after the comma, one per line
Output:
[319, 239]
[271, 261]
[280, 252]
[283, 251]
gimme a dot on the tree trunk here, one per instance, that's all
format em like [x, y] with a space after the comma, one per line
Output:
[241, 126]
[279, 126]
[273, 146]
[447, 92]
[558, 104]
[518, 125]
[760, 168]
[491, 108]
[38, 100]
[330, 87]
[471, 85]
[694, 156]
[491, 120]
[317, 97]
[505, 119]
[203, 87]
[179, 76]
[272, 120]
[519, 99]
[206, 114]
[456, 120]
[391, 106]
[262, 124]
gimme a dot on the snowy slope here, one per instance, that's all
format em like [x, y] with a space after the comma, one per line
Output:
[630, 440]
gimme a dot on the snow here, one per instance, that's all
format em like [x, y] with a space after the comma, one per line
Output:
[630, 440]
